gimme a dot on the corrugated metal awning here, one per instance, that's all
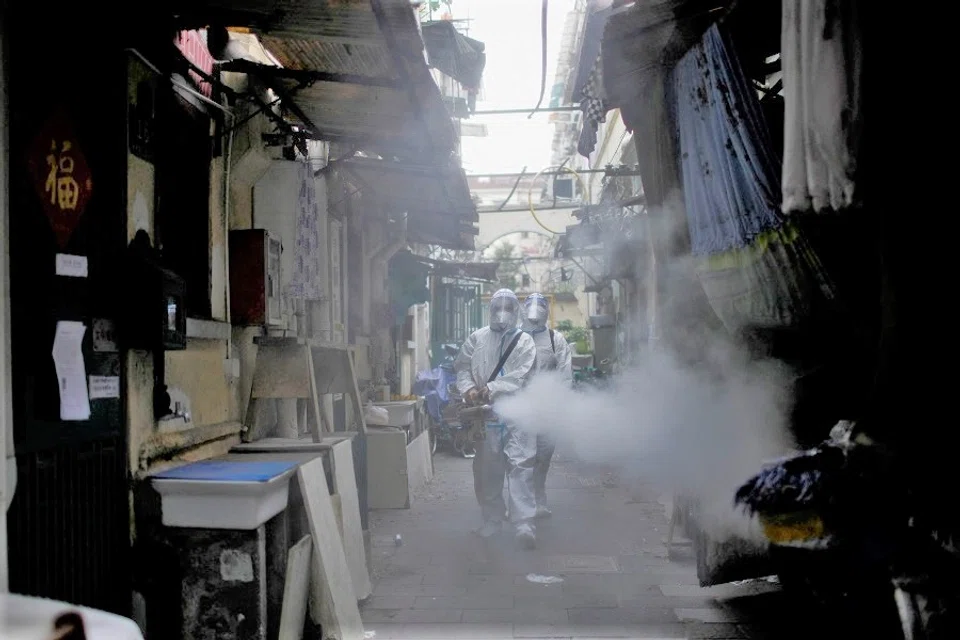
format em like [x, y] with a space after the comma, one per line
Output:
[484, 271]
[436, 199]
[460, 57]
[352, 71]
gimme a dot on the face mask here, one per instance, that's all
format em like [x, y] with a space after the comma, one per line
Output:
[502, 320]
[537, 314]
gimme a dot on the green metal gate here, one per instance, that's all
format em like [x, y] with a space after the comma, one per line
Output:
[456, 312]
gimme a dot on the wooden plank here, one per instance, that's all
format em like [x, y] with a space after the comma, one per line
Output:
[331, 370]
[337, 505]
[284, 445]
[296, 586]
[318, 424]
[252, 431]
[355, 395]
[332, 602]
[281, 372]
[345, 485]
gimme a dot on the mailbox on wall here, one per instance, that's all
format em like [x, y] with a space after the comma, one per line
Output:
[154, 317]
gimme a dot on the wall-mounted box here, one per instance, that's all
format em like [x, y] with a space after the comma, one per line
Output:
[255, 278]
[153, 316]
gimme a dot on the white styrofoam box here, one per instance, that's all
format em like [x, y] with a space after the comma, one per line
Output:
[387, 484]
[419, 462]
[31, 618]
[211, 504]
[401, 412]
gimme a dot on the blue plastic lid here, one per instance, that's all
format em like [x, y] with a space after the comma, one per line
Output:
[227, 471]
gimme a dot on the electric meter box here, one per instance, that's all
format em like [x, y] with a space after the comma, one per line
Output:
[255, 278]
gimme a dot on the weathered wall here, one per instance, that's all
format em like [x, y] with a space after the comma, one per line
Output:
[275, 203]
[497, 224]
[568, 310]
[197, 376]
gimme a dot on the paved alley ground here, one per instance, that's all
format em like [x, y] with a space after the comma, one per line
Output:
[606, 543]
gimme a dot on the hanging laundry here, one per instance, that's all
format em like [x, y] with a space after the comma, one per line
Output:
[755, 269]
[822, 59]
[306, 282]
[594, 109]
[730, 175]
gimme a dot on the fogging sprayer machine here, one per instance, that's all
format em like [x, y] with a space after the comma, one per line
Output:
[477, 416]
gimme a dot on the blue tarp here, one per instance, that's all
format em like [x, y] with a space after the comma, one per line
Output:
[225, 471]
[432, 385]
[731, 178]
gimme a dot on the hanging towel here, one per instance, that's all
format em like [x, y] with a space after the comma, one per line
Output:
[594, 109]
[306, 282]
[822, 58]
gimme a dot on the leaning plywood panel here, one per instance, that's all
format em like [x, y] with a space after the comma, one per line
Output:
[333, 603]
[346, 487]
[295, 590]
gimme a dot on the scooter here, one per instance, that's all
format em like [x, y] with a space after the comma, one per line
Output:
[439, 389]
[843, 529]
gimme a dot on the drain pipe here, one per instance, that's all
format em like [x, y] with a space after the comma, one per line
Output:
[227, 163]
[379, 261]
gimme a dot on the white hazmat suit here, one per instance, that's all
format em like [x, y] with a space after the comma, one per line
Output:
[553, 354]
[505, 450]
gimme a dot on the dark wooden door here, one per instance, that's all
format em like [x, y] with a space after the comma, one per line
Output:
[69, 528]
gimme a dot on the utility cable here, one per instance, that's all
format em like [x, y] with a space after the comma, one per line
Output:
[533, 211]
[543, 58]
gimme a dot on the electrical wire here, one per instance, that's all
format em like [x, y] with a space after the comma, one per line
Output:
[533, 211]
[543, 58]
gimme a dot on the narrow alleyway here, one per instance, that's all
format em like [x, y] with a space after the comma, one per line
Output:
[606, 544]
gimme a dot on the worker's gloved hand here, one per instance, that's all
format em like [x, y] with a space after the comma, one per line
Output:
[484, 397]
[472, 396]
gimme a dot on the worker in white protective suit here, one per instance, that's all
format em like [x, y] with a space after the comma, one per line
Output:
[553, 354]
[505, 450]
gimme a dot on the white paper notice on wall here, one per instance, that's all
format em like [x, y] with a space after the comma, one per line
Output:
[71, 372]
[71, 266]
[141, 213]
[103, 387]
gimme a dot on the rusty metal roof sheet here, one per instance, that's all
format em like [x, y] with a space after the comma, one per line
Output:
[355, 71]
[369, 60]
[365, 67]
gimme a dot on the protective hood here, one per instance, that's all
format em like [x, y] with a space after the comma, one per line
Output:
[504, 311]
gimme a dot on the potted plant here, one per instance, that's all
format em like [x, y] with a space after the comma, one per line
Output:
[579, 337]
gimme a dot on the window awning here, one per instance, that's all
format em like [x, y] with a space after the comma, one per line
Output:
[435, 198]
[352, 71]
[460, 57]
[589, 50]
[484, 271]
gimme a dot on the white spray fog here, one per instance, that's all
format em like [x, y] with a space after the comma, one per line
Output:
[697, 423]
[699, 432]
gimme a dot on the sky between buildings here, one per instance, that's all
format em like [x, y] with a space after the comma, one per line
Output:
[510, 29]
